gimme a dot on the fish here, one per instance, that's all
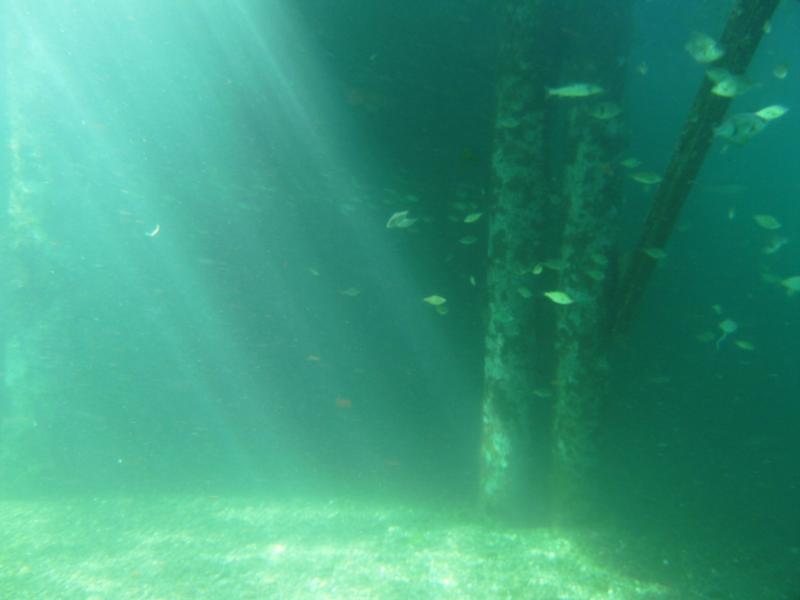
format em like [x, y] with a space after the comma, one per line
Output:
[727, 326]
[717, 74]
[605, 111]
[596, 275]
[468, 240]
[703, 48]
[508, 122]
[524, 292]
[705, 337]
[792, 285]
[646, 177]
[630, 162]
[770, 278]
[781, 71]
[740, 128]
[655, 253]
[555, 264]
[575, 90]
[434, 300]
[767, 222]
[472, 217]
[559, 297]
[400, 220]
[599, 259]
[727, 84]
[343, 403]
[772, 112]
[775, 244]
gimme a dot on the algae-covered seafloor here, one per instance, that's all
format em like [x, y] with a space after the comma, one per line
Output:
[213, 547]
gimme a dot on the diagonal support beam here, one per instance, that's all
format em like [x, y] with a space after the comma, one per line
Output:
[743, 31]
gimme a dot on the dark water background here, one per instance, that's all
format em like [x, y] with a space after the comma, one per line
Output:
[270, 144]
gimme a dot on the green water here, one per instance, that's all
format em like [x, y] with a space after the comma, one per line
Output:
[220, 379]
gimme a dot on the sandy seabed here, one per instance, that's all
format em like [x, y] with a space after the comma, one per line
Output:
[212, 547]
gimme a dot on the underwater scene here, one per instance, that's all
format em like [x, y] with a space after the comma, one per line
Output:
[431, 299]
